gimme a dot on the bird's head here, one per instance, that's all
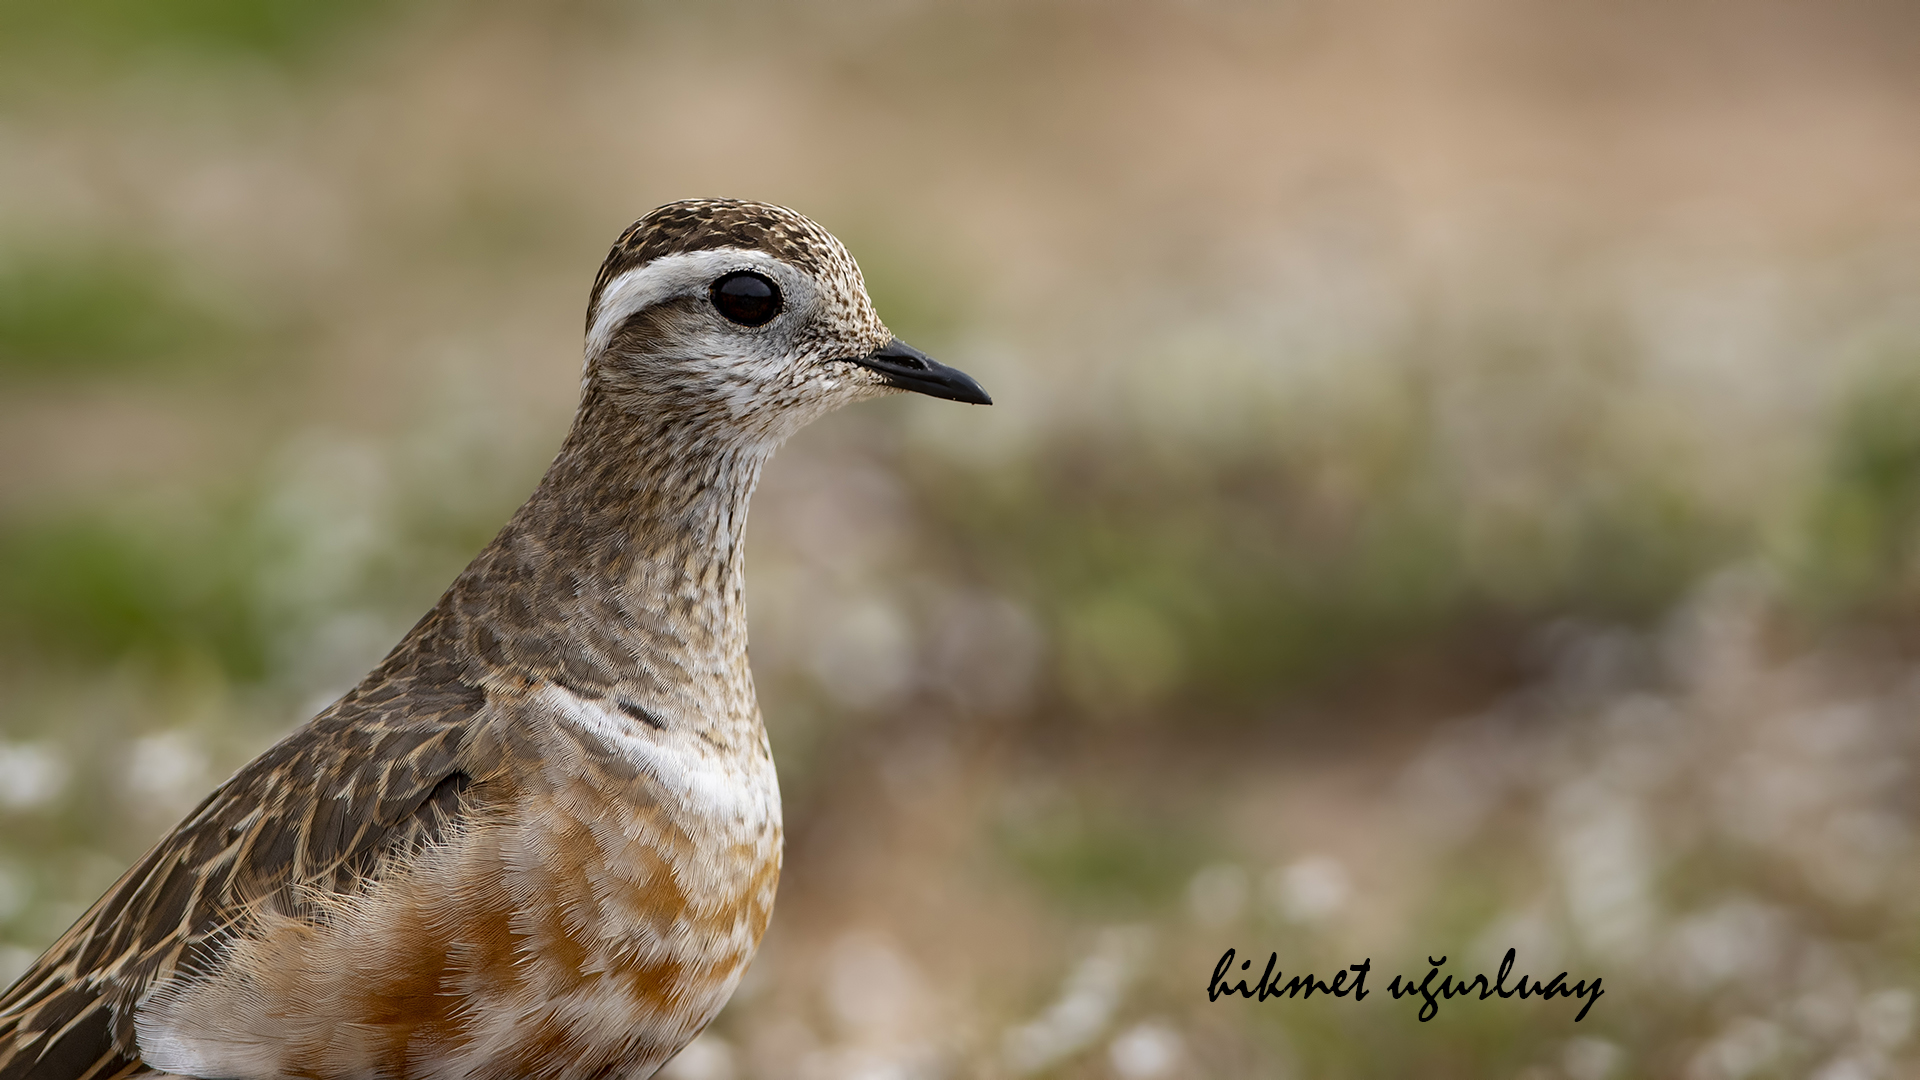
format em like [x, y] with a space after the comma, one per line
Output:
[744, 318]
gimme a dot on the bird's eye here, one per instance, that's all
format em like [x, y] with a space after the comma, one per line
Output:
[746, 298]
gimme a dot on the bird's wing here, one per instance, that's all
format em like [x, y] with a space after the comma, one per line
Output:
[375, 776]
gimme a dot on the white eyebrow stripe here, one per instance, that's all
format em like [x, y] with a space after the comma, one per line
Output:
[664, 278]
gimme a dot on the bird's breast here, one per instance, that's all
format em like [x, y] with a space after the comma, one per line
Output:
[652, 811]
[658, 852]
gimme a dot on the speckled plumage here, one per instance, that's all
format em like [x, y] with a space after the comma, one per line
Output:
[540, 839]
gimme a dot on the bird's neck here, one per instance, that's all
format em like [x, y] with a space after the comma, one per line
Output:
[623, 577]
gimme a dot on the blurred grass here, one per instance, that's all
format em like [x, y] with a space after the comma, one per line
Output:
[106, 312]
[279, 31]
[1103, 855]
[1861, 543]
[94, 591]
[1231, 579]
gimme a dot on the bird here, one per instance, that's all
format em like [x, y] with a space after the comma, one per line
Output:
[540, 840]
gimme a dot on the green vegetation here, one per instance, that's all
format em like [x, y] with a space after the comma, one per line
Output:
[1100, 855]
[97, 591]
[1862, 540]
[108, 312]
[1236, 578]
[277, 30]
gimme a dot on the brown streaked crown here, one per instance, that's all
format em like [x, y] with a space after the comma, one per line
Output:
[705, 224]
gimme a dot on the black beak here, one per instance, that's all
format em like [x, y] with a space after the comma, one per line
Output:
[908, 368]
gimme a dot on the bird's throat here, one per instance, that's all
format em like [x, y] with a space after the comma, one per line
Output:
[623, 575]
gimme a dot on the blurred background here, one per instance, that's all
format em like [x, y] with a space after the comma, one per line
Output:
[1454, 486]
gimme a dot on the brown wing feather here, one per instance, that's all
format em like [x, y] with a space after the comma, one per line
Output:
[375, 776]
